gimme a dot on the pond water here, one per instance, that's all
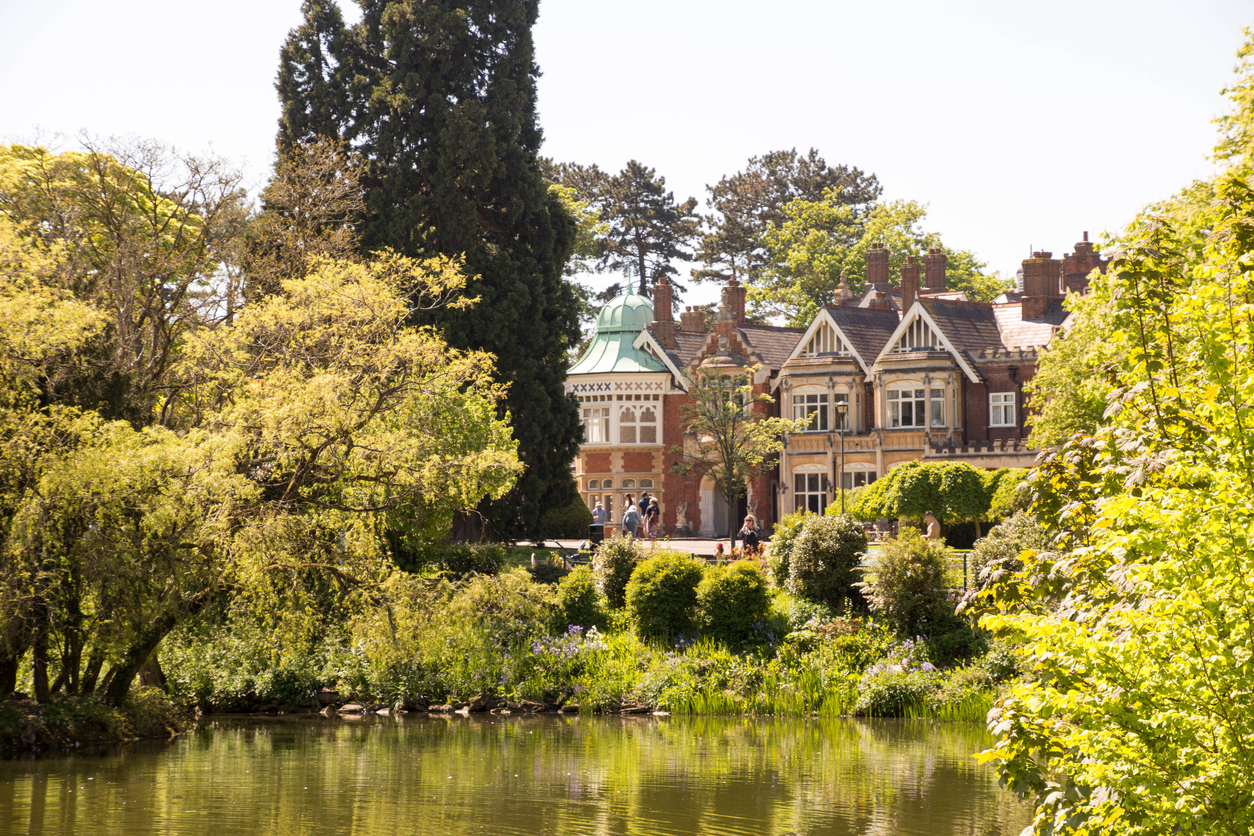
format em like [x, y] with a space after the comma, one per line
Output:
[521, 776]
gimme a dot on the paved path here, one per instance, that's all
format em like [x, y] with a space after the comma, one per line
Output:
[697, 546]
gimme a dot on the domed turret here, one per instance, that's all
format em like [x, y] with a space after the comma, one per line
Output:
[629, 312]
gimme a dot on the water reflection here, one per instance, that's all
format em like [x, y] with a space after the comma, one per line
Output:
[522, 777]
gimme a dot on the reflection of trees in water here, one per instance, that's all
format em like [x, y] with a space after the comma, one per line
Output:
[527, 776]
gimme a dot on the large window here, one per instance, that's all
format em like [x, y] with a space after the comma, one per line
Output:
[596, 425]
[812, 408]
[810, 492]
[1001, 408]
[851, 479]
[912, 407]
[842, 422]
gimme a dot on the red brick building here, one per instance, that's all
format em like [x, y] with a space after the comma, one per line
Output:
[907, 372]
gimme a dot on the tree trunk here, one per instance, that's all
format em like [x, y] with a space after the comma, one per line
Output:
[731, 522]
[151, 675]
[39, 666]
[9, 663]
[145, 645]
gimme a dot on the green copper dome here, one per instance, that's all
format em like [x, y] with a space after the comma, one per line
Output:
[611, 348]
[629, 312]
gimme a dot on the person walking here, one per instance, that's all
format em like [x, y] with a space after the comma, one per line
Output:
[653, 519]
[600, 515]
[631, 520]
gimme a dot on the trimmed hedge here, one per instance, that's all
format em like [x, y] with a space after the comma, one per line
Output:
[825, 557]
[662, 595]
[733, 602]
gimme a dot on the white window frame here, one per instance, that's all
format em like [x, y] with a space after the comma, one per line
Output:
[596, 424]
[936, 399]
[805, 404]
[1002, 409]
[809, 491]
[916, 396]
[851, 479]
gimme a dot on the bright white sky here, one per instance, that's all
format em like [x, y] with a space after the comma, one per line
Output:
[1020, 124]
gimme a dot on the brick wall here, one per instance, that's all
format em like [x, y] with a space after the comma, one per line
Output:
[638, 462]
[976, 402]
[598, 462]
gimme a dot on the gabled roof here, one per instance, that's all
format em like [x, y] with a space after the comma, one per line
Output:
[688, 345]
[963, 328]
[773, 343]
[646, 341]
[866, 330]
[969, 326]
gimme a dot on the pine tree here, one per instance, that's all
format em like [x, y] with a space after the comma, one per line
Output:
[439, 98]
[648, 229]
[750, 201]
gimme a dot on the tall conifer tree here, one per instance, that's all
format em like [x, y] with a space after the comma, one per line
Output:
[439, 98]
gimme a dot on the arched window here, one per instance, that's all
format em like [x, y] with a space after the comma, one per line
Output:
[629, 483]
[627, 425]
[607, 483]
[648, 425]
[646, 483]
[593, 484]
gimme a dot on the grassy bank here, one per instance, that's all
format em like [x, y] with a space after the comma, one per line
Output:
[70, 721]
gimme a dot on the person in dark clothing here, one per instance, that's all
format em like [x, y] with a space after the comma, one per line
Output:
[749, 535]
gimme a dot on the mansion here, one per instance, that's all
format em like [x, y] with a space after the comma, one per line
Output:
[902, 373]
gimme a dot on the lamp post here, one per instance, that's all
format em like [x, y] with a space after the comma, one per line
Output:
[842, 407]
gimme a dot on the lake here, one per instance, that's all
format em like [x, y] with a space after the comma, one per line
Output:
[521, 776]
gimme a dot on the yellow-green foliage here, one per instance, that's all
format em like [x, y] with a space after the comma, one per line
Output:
[662, 595]
[733, 603]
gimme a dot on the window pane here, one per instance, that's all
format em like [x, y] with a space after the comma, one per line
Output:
[627, 434]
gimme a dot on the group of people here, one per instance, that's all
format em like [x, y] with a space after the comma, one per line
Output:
[642, 519]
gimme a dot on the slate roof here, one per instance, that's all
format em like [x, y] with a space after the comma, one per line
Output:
[969, 326]
[773, 343]
[688, 345]
[866, 329]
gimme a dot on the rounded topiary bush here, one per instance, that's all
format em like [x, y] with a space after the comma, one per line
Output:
[732, 602]
[662, 595]
[578, 601]
[826, 554]
[779, 550]
[570, 520]
[612, 565]
[907, 585]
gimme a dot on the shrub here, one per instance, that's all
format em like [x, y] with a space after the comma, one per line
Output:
[613, 563]
[732, 603]
[662, 593]
[462, 559]
[824, 562]
[578, 601]
[569, 520]
[908, 585]
[889, 691]
[779, 550]
[548, 572]
[1001, 547]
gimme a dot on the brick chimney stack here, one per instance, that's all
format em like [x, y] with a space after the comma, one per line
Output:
[1041, 283]
[734, 300]
[877, 266]
[663, 326]
[934, 268]
[1077, 266]
[692, 320]
[909, 283]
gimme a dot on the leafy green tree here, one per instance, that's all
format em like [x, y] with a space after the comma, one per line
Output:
[953, 491]
[438, 98]
[1136, 622]
[821, 240]
[728, 437]
[750, 202]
